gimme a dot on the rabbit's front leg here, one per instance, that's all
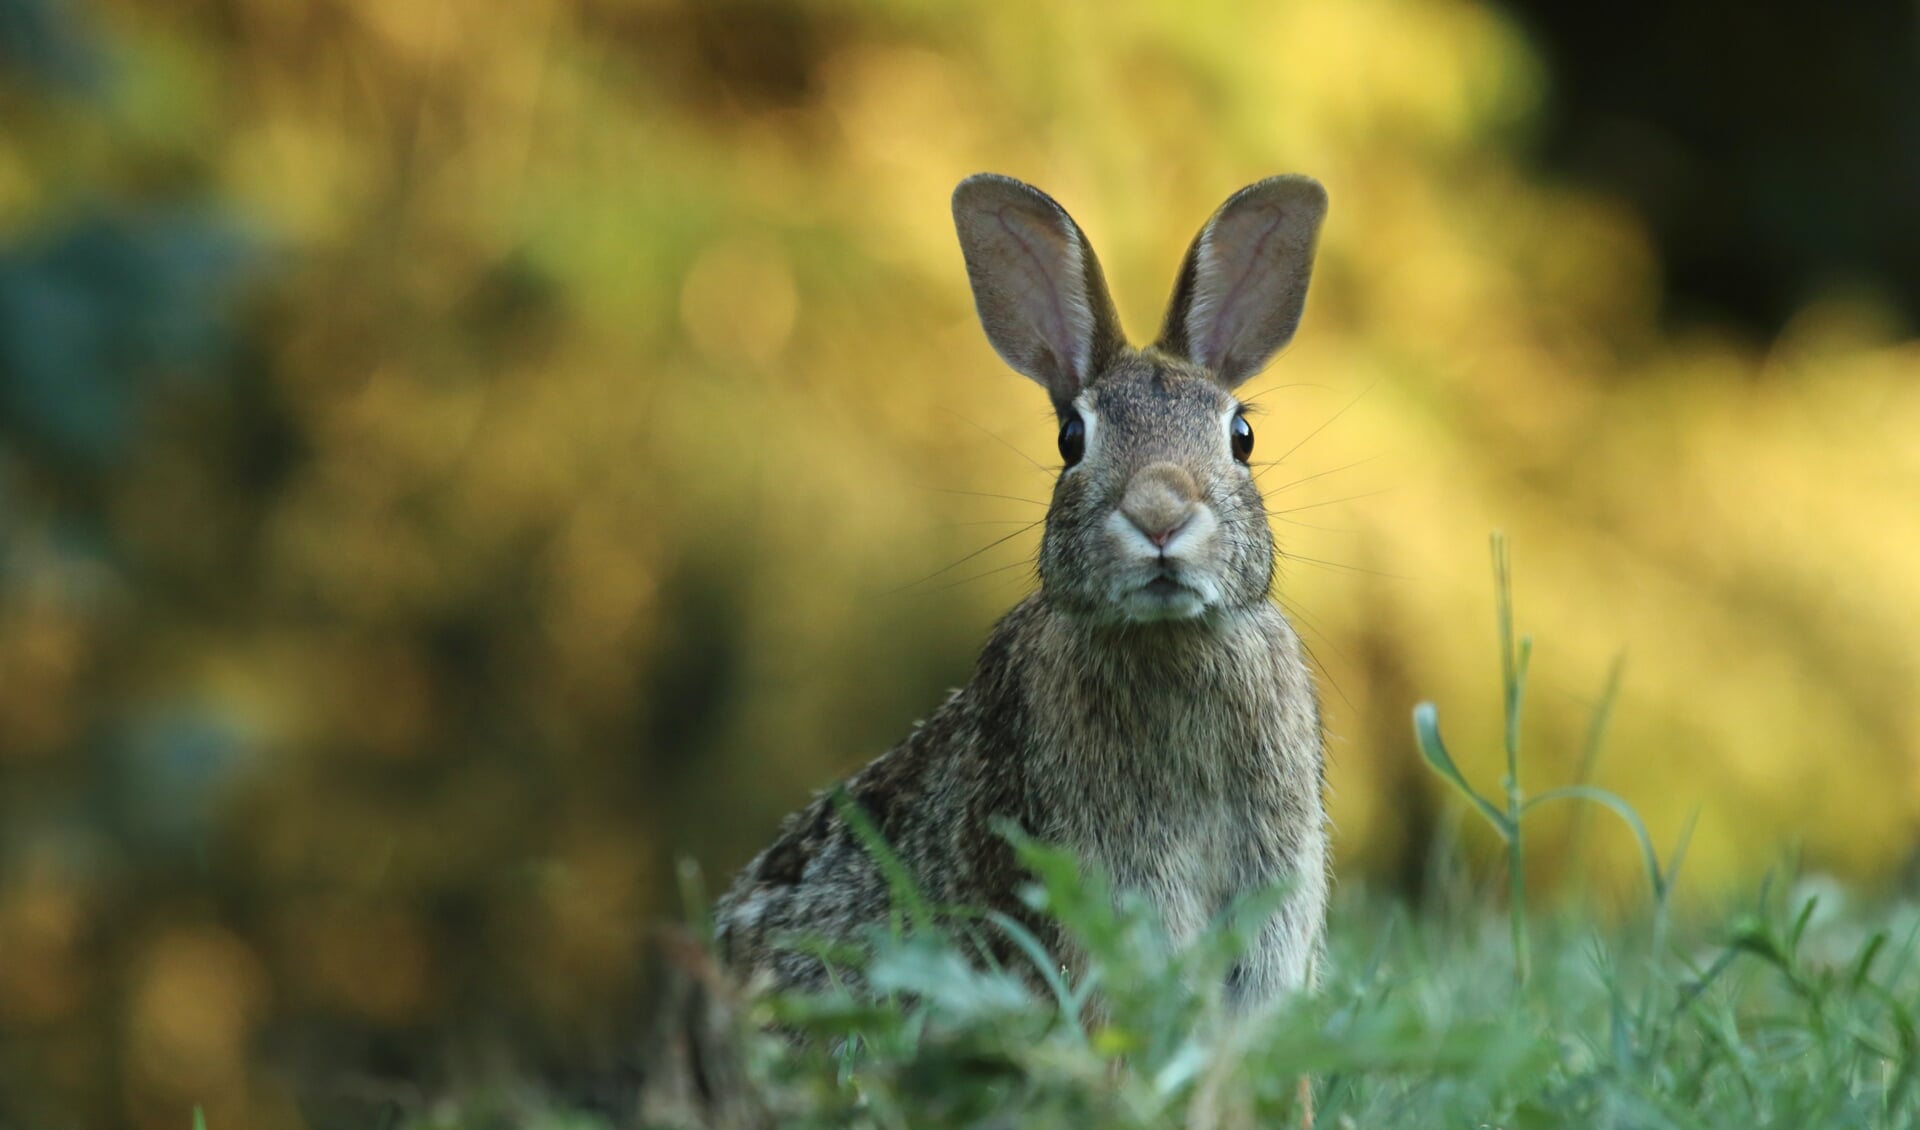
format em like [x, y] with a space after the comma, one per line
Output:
[1283, 960]
[1283, 956]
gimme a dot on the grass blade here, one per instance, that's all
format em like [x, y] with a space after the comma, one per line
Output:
[1614, 804]
[1426, 731]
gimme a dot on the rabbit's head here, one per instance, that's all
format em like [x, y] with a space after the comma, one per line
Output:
[1155, 515]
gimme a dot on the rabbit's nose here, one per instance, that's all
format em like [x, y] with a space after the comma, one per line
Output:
[1159, 501]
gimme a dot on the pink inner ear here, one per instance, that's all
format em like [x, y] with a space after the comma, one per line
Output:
[1234, 259]
[1046, 292]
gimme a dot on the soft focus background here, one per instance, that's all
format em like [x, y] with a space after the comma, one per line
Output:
[457, 459]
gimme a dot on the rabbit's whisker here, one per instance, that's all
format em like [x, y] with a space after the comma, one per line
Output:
[941, 572]
[1254, 522]
[1339, 566]
[1294, 612]
[1327, 502]
[1325, 426]
[984, 574]
[1317, 475]
[1314, 526]
[1002, 440]
[988, 494]
[1281, 388]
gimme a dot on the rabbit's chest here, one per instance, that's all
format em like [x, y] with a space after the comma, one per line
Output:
[1189, 870]
[1188, 770]
[1186, 812]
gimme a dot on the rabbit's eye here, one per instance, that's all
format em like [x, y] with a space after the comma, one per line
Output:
[1242, 435]
[1073, 439]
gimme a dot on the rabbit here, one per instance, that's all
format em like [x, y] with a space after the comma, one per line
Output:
[1148, 708]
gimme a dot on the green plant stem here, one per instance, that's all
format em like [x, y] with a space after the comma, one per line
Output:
[1513, 672]
[1517, 907]
[1516, 658]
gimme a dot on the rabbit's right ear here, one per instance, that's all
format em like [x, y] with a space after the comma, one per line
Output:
[1036, 283]
[1244, 283]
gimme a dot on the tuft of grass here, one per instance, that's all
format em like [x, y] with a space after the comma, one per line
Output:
[1508, 820]
[1791, 1012]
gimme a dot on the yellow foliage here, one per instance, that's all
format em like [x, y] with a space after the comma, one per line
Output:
[639, 440]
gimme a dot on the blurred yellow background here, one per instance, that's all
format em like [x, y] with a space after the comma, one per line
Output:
[457, 459]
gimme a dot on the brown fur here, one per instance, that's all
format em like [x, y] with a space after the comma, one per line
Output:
[1149, 707]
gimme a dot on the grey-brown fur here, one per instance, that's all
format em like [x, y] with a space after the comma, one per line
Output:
[1148, 707]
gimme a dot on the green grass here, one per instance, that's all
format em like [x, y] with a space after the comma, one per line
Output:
[1796, 1009]
[1794, 1012]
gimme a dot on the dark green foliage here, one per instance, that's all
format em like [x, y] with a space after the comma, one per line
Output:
[1794, 1013]
[96, 316]
[38, 39]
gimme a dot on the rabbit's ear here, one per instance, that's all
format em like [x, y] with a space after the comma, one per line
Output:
[1036, 283]
[1244, 282]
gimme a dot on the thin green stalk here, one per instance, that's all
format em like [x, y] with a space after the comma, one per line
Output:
[1513, 674]
[1516, 658]
[1583, 774]
[1517, 909]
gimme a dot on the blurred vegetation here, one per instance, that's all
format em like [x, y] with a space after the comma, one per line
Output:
[453, 460]
[1793, 1011]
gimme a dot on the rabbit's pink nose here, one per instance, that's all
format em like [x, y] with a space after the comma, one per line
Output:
[1160, 537]
[1160, 501]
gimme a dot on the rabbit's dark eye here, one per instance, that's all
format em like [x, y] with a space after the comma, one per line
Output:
[1242, 434]
[1073, 439]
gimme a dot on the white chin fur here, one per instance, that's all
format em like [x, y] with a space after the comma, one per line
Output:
[1142, 606]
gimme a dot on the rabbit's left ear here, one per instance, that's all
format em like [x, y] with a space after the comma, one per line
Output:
[1036, 284]
[1244, 282]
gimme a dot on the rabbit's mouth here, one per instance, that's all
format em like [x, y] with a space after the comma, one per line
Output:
[1164, 596]
[1164, 587]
